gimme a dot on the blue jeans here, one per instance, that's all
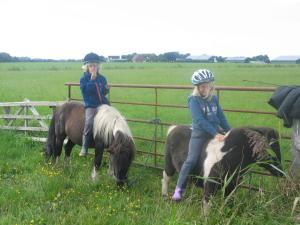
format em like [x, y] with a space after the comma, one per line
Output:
[87, 137]
[196, 144]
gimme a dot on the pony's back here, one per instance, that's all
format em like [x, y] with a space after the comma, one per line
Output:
[176, 147]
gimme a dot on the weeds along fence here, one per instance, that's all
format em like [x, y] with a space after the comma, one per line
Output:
[153, 157]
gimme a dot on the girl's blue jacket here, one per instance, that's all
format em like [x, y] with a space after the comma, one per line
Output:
[93, 96]
[207, 116]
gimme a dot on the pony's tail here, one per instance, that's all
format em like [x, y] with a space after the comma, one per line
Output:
[50, 144]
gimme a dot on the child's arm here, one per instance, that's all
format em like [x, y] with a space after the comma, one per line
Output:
[198, 118]
[87, 87]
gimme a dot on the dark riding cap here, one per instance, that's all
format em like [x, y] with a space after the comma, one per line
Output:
[91, 58]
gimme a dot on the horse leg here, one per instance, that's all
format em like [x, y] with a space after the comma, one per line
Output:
[230, 188]
[210, 189]
[167, 173]
[58, 148]
[68, 149]
[99, 148]
[110, 171]
[165, 184]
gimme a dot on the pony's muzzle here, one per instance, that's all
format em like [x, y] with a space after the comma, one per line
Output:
[277, 169]
[121, 183]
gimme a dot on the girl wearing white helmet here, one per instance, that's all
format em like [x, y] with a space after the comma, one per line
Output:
[208, 121]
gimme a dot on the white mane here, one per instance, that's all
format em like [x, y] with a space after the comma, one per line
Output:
[107, 122]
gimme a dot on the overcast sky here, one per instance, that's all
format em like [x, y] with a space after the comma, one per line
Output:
[71, 28]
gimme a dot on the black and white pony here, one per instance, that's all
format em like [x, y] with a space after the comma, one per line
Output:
[110, 131]
[221, 160]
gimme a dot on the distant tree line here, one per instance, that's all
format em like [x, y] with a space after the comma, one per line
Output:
[164, 57]
[5, 57]
[259, 58]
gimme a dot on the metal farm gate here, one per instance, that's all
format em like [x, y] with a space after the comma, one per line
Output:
[155, 121]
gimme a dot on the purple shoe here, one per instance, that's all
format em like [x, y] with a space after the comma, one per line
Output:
[177, 196]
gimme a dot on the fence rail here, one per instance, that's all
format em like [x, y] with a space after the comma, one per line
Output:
[180, 87]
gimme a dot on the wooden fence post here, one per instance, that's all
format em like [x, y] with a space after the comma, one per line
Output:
[7, 111]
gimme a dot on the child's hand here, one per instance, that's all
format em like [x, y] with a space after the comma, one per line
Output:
[93, 76]
[220, 137]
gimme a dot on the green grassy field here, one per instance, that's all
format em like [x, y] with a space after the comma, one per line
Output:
[32, 192]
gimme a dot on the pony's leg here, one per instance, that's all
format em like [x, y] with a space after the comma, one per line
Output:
[230, 188]
[167, 173]
[210, 189]
[68, 149]
[110, 171]
[99, 148]
[229, 191]
[165, 184]
[206, 207]
[58, 148]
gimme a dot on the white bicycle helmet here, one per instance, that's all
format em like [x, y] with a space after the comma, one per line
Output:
[202, 76]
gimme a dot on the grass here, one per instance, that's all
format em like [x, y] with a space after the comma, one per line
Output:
[33, 192]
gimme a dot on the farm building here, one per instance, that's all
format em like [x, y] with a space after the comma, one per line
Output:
[116, 58]
[145, 57]
[287, 59]
[199, 58]
[236, 59]
[139, 58]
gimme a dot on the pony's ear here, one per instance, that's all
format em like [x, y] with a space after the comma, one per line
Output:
[273, 136]
[258, 142]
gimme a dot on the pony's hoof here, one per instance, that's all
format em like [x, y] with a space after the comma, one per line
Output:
[164, 189]
[67, 161]
[94, 174]
[56, 162]
[206, 208]
[110, 173]
[164, 194]
[94, 178]
[83, 153]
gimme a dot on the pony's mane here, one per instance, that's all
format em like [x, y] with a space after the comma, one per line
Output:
[107, 122]
[257, 141]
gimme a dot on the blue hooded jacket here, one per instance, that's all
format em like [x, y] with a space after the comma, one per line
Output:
[207, 116]
[89, 90]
